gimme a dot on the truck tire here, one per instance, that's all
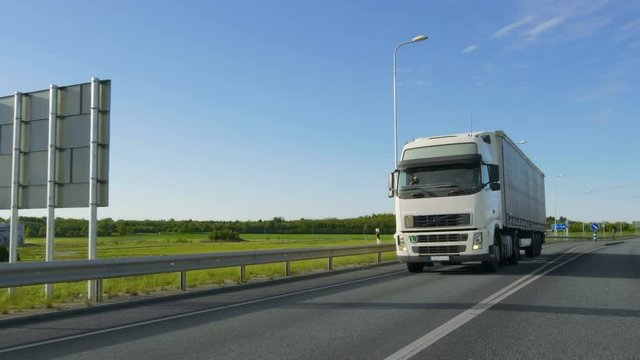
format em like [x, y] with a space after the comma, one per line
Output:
[538, 249]
[504, 256]
[493, 265]
[530, 251]
[514, 259]
[415, 267]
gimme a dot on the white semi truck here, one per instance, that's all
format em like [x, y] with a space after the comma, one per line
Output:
[472, 197]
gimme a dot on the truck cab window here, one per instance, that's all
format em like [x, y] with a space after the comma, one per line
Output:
[436, 181]
[485, 174]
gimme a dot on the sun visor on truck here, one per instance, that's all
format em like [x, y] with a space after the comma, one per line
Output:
[441, 160]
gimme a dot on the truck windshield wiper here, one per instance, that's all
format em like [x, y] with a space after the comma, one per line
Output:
[445, 186]
[422, 190]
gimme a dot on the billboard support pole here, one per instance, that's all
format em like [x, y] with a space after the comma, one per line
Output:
[15, 183]
[93, 183]
[51, 181]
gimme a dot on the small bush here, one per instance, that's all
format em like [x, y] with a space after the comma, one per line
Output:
[224, 235]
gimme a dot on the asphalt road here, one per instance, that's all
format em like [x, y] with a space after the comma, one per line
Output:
[576, 301]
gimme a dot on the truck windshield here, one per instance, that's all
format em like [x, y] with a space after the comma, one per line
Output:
[438, 181]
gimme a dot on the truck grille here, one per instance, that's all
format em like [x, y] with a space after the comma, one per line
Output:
[447, 249]
[426, 221]
[441, 238]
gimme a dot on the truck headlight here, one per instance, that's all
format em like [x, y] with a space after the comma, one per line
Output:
[477, 241]
[401, 244]
[408, 221]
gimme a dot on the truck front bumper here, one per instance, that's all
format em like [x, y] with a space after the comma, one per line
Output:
[442, 258]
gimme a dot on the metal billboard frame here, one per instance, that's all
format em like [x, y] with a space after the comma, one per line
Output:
[59, 156]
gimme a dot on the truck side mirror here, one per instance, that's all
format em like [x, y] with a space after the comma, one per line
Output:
[392, 184]
[494, 173]
[494, 177]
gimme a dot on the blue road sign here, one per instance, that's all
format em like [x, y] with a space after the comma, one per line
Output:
[595, 227]
[561, 226]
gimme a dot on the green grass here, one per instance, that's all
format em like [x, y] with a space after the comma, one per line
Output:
[174, 244]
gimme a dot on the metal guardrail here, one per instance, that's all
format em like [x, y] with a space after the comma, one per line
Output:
[35, 273]
[590, 238]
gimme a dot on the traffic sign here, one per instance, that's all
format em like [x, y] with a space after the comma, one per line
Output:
[561, 226]
[595, 227]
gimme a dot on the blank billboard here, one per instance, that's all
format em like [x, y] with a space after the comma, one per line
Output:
[6, 149]
[72, 157]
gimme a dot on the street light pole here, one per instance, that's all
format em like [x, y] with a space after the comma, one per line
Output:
[555, 204]
[395, 100]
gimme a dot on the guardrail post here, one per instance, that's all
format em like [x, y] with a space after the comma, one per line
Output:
[287, 268]
[243, 274]
[98, 290]
[330, 263]
[379, 258]
[183, 280]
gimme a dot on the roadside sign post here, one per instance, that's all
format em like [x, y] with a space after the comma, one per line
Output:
[595, 227]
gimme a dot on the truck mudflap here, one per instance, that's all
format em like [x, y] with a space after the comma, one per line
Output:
[445, 258]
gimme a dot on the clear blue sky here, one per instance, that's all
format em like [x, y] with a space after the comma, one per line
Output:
[255, 109]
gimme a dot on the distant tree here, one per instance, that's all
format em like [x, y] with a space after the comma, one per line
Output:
[106, 227]
[121, 227]
[4, 254]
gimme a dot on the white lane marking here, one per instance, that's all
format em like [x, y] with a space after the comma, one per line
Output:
[443, 330]
[199, 312]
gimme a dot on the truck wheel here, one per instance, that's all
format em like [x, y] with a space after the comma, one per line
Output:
[493, 265]
[415, 267]
[530, 251]
[504, 256]
[514, 259]
[538, 250]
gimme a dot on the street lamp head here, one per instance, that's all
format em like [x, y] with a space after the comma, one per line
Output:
[419, 38]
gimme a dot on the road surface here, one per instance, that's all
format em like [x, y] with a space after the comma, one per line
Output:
[575, 301]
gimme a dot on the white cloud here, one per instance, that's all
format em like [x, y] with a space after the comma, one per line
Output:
[603, 117]
[423, 83]
[469, 49]
[630, 30]
[509, 28]
[543, 28]
[607, 89]
[563, 20]
[586, 28]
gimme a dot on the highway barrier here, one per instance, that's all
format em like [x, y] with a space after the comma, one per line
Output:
[35, 273]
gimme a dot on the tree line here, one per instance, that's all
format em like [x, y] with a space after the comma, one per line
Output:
[36, 226]
[64, 227]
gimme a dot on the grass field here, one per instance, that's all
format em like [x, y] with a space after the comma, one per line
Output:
[174, 244]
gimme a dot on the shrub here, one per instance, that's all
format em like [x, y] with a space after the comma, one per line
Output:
[224, 235]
